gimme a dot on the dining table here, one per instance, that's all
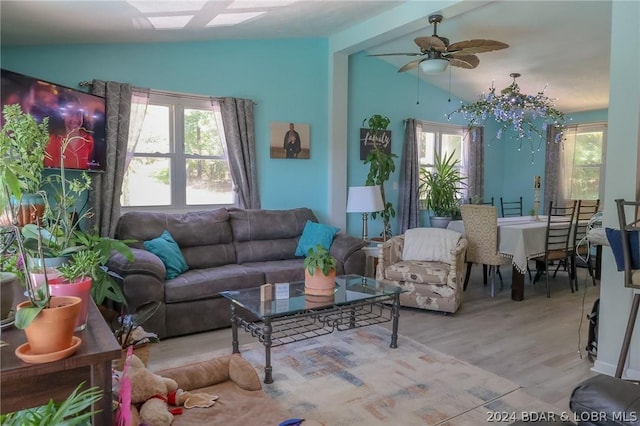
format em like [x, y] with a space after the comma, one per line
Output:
[520, 238]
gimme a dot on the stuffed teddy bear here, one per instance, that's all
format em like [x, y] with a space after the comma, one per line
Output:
[155, 394]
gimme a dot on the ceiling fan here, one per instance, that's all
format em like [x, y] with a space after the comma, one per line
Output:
[436, 52]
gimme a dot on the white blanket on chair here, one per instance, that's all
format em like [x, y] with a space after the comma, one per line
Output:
[429, 244]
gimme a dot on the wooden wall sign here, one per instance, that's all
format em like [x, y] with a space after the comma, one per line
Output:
[368, 142]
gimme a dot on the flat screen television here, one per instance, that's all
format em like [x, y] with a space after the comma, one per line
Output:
[71, 112]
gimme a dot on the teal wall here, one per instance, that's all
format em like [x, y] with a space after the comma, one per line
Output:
[287, 78]
[289, 81]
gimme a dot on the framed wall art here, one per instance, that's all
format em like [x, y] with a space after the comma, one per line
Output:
[290, 140]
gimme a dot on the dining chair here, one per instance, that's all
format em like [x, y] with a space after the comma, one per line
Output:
[511, 208]
[481, 202]
[558, 243]
[585, 210]
[481, 231]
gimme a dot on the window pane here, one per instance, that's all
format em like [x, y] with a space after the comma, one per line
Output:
[426, 147]
[201, 135]
[585, 183]
[147, 182]
[208, 182]
[588, 148]
[155, 133]
[451, 143]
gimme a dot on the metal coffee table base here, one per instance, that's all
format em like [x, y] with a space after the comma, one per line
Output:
[282, 330]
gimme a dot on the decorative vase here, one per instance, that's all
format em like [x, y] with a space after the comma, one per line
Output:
[319, 284]
[8, 281]
[52, 330]
[30, 209]
[80, 288]
[439, 222]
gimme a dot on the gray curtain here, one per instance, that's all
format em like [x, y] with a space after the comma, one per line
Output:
[408, 202]
[551, 169]
[105, 198]
[237, 119]
[475, 166]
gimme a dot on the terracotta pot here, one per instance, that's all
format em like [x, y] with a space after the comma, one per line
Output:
[52, 330]
[80, 288]
[319, 284]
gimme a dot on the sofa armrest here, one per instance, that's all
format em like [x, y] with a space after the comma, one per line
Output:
[344, 245]
[144, 262]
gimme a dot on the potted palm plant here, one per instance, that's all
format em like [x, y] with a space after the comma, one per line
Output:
[75, 410]
[441, 186]
[320, 272]
[381, 165]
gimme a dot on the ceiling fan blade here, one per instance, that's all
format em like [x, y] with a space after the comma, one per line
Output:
[411, 65]
[464, 61]
[471, 47]
[397, 54]
[430, 43]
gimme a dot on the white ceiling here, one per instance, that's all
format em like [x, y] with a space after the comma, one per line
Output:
[564, 44]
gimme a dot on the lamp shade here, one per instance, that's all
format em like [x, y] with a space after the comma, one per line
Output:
[364, 199]
[433, 66]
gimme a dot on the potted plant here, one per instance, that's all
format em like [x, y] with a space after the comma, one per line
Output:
[75, 279]
[381, 165]
[442, 185]
[320, 272]
[48, 321]
[72, 411]
[22, 149]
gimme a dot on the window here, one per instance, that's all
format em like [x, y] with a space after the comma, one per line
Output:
[179, 159]
[582, 162]
[442, 139]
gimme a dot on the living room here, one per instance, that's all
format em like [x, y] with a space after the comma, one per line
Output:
[333, 85]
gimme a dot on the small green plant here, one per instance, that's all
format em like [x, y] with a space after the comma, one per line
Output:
[103, 285]
[319, 259]
[81, 265]
[22, 149]
[532, 212]
[70, 412]
[442, 185]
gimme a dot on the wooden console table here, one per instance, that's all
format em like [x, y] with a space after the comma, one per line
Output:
[25, 385]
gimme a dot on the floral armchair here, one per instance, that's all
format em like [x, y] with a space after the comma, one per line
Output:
[427, 262]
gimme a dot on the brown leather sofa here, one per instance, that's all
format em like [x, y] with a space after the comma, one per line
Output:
[225, 249]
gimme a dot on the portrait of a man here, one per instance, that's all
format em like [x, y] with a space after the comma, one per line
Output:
[289, 140]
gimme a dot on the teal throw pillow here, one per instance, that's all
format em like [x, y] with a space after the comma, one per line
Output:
[313, 234]
[166, 248]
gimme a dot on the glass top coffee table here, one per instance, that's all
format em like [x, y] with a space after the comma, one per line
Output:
[356, 302]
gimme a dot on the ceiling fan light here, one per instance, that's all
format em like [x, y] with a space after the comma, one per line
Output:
[434, 66]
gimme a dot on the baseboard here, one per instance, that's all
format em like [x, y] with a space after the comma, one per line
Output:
[610, 370]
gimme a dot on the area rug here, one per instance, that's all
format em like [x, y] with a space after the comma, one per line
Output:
[355, 378]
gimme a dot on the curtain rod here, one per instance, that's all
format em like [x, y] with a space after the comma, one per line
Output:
[167, 92]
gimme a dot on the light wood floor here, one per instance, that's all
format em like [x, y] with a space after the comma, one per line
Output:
[538, 343]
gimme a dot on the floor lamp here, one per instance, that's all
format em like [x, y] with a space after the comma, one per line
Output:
[365, 200]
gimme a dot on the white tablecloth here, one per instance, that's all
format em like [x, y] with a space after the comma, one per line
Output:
[519, 238]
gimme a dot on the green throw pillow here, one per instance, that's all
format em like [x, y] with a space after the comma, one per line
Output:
[166, 248]
[313, 234]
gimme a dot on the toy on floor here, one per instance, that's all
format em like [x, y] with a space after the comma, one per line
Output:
[158, 398]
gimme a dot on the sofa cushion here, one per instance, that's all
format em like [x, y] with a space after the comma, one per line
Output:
[280, 271]
[168, 251]
[263, 235]
[204, 229]
[313, 234]
[207, 283]
[418, 272]
[429, 244]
